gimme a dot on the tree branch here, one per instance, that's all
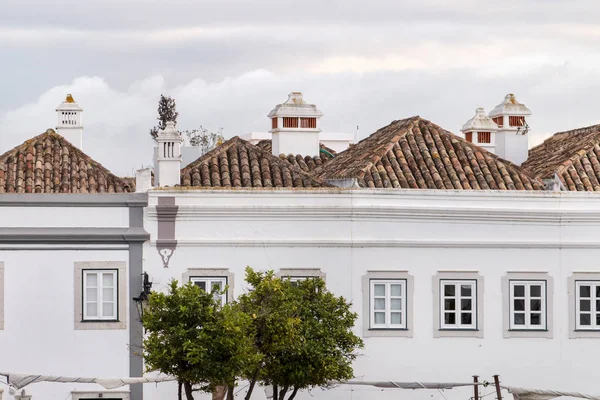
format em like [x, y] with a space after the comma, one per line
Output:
[293, 393]
[252, 383]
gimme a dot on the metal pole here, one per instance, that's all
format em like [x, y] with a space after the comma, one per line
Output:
[475, 387]
[497, 382]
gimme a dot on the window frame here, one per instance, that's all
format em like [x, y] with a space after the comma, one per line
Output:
[407, 304]
[387, 298]
[201, 273]
[439, 331]
[1, 295]
[594, 302]
[121, 291]
[457, 283]
[575, 330]
[100, 295]
[211, 280]
[508, 331]
[527, 284]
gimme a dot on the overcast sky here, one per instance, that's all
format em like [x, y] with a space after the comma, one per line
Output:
[229, 62]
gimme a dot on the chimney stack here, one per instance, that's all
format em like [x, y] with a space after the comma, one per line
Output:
[294, 127]
[481, 130]
[169, 156]
[70, 121]
[512, 137]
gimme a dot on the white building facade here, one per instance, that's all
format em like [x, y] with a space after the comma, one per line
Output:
[447, 284]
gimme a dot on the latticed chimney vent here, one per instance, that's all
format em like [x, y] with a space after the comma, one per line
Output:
[295, 127]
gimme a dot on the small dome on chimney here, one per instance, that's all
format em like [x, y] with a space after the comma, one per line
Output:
[510, 106]
[295, 106]
[480, 122]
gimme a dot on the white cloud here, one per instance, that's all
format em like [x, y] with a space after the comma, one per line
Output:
[116, 122]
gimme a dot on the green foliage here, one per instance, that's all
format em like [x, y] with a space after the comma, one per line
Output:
[204, 139]
[303, 332]
[167, 111]
[192, 337]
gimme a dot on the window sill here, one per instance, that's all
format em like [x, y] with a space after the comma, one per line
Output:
[588, 330]
[458, 330]
[528, 330]
[387, 332]
[91, 325]
[457, 333]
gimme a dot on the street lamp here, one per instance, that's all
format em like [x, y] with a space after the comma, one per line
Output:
[143, 297]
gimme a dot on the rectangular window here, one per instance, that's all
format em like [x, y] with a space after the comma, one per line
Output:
[527, 305]
[100, 289]
[516, 121]
[308, 122]
[388, 304]
[208, 283]
[469, 137]
[273, 123]
[587, 305]
[290, 122]
[484, 137]
[458, 304]
[499, 121]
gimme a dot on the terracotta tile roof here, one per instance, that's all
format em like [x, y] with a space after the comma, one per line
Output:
[573, 156]
[237, 163]
[305, 163]
[415, 153]
[48, 163]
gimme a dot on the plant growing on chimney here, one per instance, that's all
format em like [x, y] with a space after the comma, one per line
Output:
[167, 111]
[204, 139]
[303, 332]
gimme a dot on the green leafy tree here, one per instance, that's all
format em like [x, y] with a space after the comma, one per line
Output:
[204, 139]
[167, 111]
[303, 332]
[193, 338]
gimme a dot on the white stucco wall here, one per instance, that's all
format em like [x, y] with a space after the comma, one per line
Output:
[39, 335]
[346, 233]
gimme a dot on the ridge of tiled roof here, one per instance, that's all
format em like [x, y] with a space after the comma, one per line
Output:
[305, 163]
[238, 163]
[415, 153]
[572, 155]
[48, 163]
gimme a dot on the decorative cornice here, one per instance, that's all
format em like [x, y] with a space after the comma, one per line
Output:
[499, 244]
[72, 235]
[74, 200]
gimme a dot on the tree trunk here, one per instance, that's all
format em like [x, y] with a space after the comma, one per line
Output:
[293, 393]
[179, 390]
[219, 393]
[189, 395]
[283, 392]
[252, 383]
[275, 392]
[230, 394]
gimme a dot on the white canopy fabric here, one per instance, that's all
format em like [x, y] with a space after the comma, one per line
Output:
[19, 381]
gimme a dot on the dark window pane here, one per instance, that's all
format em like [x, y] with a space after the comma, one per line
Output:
[201, 285]
[465, 290]
[449, 304]
[466, 318]
[449, 290]
[597, 305]
[519, 319]
[598, 319]
[585, 319]
[584, 291]
[598, 291]
[536, 305]
[584, 305]
[536, 291]
[465, 304]
[519, 305]
[536, 319]
[449, 318]
[519, 290]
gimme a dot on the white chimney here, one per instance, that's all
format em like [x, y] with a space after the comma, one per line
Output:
[143, 180]
[481, 130]
[70, 122]
[294, 127]
[512, 138]
[169, 156]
